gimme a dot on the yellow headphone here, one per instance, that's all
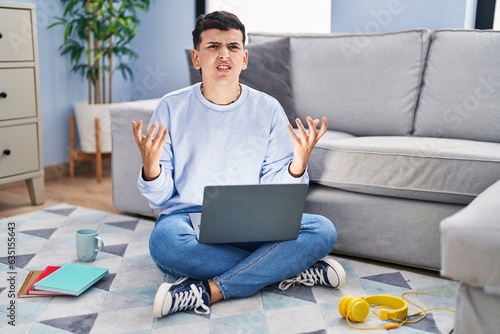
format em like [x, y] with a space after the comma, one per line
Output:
[357, 308]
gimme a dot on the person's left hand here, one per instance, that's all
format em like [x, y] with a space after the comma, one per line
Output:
[304, 143]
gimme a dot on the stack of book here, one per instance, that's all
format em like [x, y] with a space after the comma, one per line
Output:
[72, 279]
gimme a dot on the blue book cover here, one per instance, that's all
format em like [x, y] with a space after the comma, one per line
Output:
[72, 279]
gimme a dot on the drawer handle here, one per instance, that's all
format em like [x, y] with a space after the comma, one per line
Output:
[1, 35]
[6, 152]
[3, 94]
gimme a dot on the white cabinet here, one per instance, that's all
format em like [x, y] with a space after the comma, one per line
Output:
[20, 127]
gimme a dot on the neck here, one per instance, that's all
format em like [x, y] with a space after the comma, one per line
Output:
[223, 97]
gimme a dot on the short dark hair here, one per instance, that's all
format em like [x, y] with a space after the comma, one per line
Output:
[221, 20]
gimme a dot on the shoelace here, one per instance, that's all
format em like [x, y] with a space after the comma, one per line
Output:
[188, 300]
[308, 277]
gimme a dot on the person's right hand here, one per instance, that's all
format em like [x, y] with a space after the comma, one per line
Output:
[151, 148]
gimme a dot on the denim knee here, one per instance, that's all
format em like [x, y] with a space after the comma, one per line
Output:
[157, 248]
[165, 244]
[326, 234]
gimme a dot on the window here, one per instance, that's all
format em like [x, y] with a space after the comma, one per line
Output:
[278, 16]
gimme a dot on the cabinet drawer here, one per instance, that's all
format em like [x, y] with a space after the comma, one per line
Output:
[18, 149]
[18, 87]
[16, 43]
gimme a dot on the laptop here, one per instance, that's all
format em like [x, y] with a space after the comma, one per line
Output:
[250, 213]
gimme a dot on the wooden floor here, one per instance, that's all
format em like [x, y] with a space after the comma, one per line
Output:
[82, 190]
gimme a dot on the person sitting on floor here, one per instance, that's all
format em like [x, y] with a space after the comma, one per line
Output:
[223, 132]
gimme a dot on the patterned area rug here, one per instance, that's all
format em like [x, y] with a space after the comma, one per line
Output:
[122, 301]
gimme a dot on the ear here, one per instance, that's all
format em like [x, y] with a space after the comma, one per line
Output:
[245, 60]
[195, 59]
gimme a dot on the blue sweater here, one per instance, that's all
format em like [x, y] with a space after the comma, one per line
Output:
[245, 142]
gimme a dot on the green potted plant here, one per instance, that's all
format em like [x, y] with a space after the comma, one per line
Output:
[97, 39]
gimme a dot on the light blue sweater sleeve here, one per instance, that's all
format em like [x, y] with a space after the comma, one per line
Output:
[246, 142]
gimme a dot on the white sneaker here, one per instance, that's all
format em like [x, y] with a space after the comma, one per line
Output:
[326, 271]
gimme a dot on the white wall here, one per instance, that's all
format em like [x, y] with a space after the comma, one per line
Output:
[393, 15]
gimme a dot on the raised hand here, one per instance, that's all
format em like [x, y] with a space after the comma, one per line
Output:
[305, 142]
[151, 147]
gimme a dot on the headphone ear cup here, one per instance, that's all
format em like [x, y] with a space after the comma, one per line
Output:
[344, 301]
[356, 308]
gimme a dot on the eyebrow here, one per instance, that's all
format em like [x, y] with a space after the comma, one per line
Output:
[220, 43]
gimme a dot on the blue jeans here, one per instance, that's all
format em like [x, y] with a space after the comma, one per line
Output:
[239, 270]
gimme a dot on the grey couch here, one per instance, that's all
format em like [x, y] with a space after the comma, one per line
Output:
[470, 248]
[414, 131]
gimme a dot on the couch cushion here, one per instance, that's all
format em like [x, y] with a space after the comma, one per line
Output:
[331, 135]
[268, 71]
[365, 84]
[396, 230]
[477, 228]
[461, 93]
[432, 169]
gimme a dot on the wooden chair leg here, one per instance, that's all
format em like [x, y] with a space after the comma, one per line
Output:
[98, 154]
[72, 146]
[75, 154]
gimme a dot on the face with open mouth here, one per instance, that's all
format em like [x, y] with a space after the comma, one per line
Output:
[221, 55]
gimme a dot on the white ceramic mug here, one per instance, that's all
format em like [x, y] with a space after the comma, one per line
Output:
[88, 244]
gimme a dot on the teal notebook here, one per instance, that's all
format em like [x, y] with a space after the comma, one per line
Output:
[71, 279]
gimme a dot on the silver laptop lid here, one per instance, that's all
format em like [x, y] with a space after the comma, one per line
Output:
[250, 213]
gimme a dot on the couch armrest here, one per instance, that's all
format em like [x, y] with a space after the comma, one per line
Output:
[126, 158]
[470, 241]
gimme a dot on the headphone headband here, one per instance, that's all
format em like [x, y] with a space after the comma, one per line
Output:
[357, 308]
[399, 306]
